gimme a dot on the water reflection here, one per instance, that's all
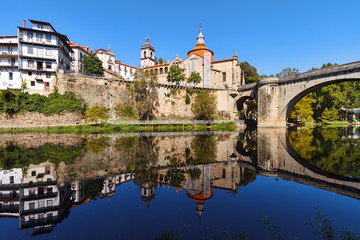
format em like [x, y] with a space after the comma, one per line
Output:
[335, 150]
[43, 176]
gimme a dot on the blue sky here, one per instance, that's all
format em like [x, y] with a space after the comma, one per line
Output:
[269, 34]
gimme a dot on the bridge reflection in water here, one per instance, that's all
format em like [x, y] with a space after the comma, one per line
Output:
[41, 190]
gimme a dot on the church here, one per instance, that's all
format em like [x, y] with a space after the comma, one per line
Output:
[219, 74]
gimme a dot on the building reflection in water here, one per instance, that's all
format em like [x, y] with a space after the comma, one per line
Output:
[41, 195]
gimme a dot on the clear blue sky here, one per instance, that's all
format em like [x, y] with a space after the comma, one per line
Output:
[269, 34]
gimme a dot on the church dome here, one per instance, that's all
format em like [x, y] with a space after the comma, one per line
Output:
[200, 48]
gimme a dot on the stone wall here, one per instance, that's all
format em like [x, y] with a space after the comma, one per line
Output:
[35, 119]
[111, 92]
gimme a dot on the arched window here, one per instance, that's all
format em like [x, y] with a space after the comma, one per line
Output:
[144, 54]
[151, 71]
[161, 71]
[166, 70]
[156, 71]
[151, 54]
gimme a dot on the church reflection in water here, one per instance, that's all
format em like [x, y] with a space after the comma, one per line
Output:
[40, 181]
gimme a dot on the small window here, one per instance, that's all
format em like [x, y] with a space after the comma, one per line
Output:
[11, 179]
[48, 75]
[39, 37]
[109, 67]
[33, 173]
[30, 73]
[30, 63]
[48, 65]
[47, 170]
[224, 77]
[48, 52]
[32, 83]
[48, 38]
[46, 86]
[49, 203]
[10, 76]
[30, 36]
[32, 205]
[30, 50]
[40, 26]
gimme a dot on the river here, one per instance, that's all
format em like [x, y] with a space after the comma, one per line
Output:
[256, 184]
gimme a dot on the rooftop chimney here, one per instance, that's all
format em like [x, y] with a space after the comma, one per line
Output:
[24, 23]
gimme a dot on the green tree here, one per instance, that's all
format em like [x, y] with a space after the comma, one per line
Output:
[145, 94]
[250, 73]
[175, 74]
[125, 111]
[302, 111]
[96, 113]
[92, 65]
[159, 61]
[330, 114]
[205, 105]
[194, 78]
[287, 71]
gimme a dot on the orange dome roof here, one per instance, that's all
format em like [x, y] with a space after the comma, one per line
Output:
[201, 50]
[200, 198]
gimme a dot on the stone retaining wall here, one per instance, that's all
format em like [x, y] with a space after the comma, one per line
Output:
[35, 119]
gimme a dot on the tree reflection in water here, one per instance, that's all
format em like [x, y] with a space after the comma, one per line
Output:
[326, 149]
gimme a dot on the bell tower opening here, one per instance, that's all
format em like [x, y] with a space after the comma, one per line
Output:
[147, 54]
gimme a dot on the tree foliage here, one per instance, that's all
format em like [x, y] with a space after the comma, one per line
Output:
[194, 78]
[92, 65]
[13, 103]
[159, 61]
[204, 106]
[175, 74]
[250, 72]
[302, 111]
[96, 113]
[145, 94]
[125, 111]
[287, 72]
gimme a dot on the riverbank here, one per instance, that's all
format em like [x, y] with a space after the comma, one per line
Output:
[106, 128]
[330, 123]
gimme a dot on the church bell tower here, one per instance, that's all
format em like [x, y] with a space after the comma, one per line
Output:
[147, 54]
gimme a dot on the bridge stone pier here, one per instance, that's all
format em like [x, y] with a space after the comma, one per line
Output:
[277, 96]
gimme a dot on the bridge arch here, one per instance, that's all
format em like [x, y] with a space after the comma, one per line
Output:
[297, 96]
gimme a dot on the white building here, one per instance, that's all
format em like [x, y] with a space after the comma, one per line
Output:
[78, 53]
[10, 181]
[107, 57]
[33, 56]
[9, 64]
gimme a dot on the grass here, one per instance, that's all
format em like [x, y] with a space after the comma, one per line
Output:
[112, 128]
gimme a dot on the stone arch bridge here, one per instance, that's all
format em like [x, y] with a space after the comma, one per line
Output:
[277, 96]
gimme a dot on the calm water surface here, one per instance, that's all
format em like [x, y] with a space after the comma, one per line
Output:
[257, 184]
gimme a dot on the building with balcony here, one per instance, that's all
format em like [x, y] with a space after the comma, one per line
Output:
[33, 56]
[9, 64]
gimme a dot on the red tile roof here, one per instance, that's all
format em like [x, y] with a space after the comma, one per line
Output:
[118, 62]
[158, 65]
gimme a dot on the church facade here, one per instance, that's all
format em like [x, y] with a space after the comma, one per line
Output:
[220, 74]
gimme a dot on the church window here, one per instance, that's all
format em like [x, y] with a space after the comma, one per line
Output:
[166, 70]
[161, 71]
[224, 77]
[144, 54]
[151, 54]
[192, 65]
